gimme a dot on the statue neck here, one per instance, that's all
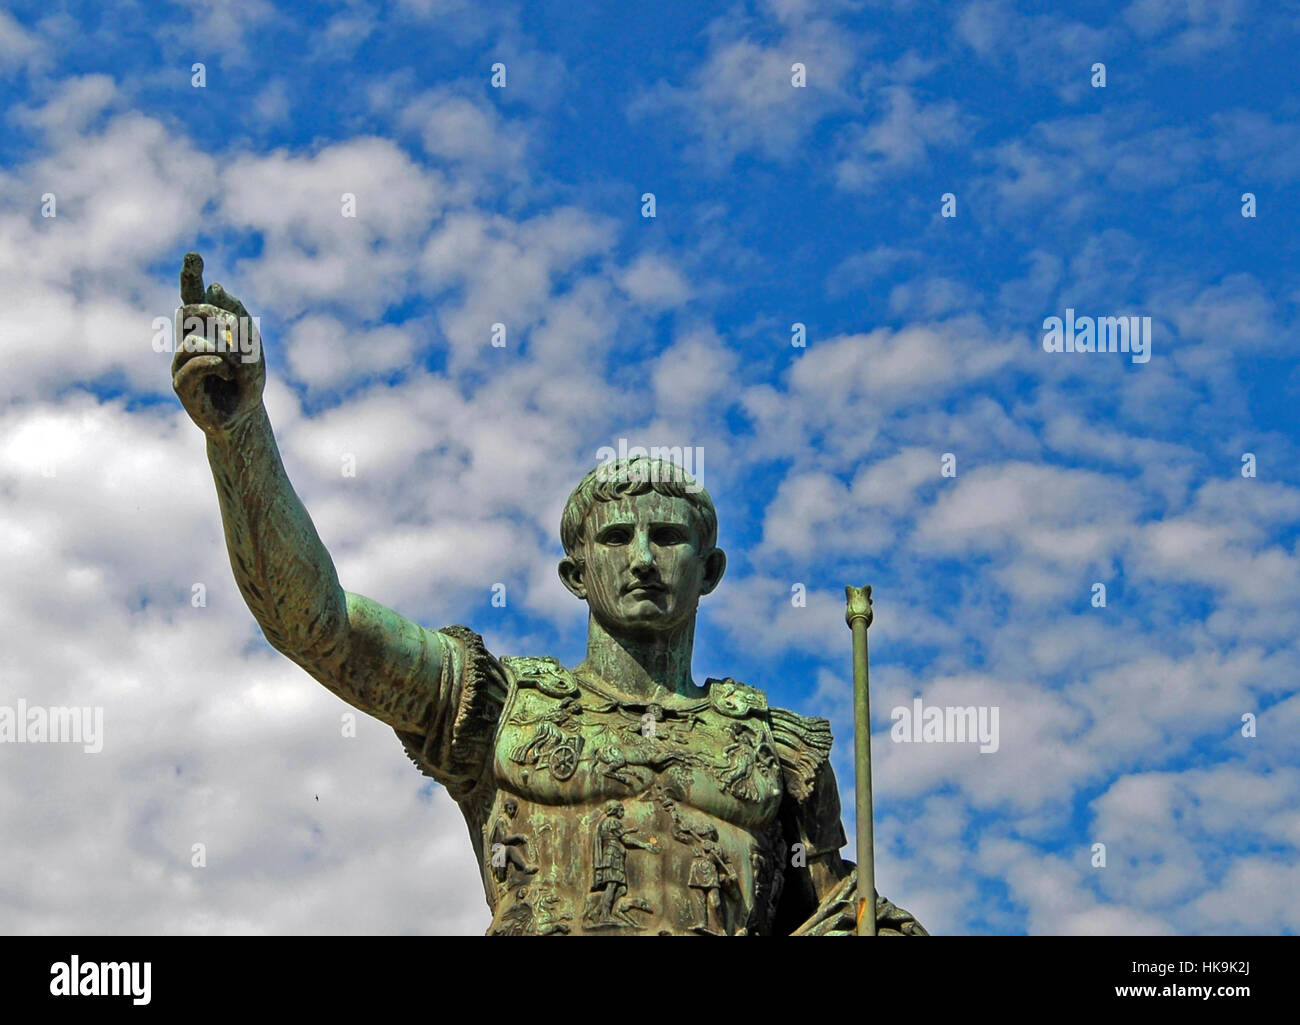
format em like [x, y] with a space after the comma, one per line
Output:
[642, 664]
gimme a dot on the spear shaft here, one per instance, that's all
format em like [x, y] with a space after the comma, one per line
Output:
[858, 615]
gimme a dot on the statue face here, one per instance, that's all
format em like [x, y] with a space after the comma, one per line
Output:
[643, 569]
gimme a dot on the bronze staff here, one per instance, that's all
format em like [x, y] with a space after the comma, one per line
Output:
[858, 615]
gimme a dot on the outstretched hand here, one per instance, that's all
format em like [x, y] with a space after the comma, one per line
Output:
[219, 370]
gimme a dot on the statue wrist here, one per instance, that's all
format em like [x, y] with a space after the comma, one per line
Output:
[239, 430]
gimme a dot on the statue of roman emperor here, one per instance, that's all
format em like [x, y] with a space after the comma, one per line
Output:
[615, 797]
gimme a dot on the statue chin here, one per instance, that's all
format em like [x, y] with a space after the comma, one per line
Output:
[638, 619]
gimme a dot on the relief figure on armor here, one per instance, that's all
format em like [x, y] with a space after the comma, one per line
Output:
[607, 906]
[710, 871]
[508, 849]
[555, 743]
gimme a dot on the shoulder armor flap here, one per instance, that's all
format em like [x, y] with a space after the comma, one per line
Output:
[543, 673]
[803, 744]
[735, 700]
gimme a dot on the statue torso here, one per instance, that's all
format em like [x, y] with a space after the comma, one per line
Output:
[630, 816]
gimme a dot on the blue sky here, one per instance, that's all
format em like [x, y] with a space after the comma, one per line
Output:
[774, 205]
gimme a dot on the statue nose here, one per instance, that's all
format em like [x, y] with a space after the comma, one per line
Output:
[641, 555]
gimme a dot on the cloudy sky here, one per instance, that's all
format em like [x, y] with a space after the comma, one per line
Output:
[775, 205]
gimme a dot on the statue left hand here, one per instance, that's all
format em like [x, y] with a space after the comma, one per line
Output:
[838, 914]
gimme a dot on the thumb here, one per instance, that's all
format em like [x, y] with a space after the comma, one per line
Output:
[189, 382]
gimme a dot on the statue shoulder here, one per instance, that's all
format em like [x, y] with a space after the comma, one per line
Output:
[803, 745]
[734, 699]
[803, 742]
[464, 709]
[540, 672]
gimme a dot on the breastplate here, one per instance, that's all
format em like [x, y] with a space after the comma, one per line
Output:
[615, 815]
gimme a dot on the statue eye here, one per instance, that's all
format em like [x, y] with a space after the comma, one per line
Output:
[616, 536]
[669, 536]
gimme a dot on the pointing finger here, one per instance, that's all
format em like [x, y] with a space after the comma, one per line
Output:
[192, 279]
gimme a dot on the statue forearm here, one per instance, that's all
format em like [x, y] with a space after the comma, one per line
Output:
[371, 657]
[283, 570]
[368, 655]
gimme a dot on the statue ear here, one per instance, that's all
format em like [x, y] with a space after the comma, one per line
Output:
[571, 576]
[715, 564]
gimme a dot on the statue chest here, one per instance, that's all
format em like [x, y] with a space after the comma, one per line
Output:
[612, 816]
[564, 742]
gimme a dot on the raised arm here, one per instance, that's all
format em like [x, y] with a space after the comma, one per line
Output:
[374, 659]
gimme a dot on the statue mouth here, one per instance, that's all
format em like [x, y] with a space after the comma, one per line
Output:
[648, 588]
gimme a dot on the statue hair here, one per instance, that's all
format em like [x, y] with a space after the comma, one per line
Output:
[626, 478]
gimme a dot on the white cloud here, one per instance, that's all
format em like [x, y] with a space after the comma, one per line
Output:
[901, 138]
[742, 98]
[312, 252]
[223, 29]
[1189, 27]
[76, 103]
[654, 281]
[467, 131]
[323, 353]
[1044, 49]
[18, 45]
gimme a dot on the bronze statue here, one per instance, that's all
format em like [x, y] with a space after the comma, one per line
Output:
[614, 797]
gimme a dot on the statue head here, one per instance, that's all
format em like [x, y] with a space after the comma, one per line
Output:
[640, 542]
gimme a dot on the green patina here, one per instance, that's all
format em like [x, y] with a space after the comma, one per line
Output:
[615, 797]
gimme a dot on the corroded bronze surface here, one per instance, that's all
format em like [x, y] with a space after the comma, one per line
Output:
[616, 797]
